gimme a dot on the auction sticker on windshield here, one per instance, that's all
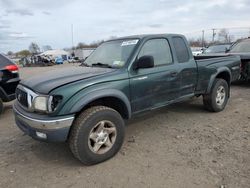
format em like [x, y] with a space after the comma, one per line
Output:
[129, 42]
[118, 63]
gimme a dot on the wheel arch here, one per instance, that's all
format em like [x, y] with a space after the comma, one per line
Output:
[111, 98]
[222, 73]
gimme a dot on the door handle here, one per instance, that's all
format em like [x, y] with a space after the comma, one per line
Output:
[173, 74]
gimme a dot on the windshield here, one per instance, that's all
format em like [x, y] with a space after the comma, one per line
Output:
[243, 46]
[217, 48]
[112, 54]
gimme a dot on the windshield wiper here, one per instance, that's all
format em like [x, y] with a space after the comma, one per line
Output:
[84, 64]
[102, 65]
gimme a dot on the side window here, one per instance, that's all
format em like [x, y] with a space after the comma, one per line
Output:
[159, 49]
[181, 49]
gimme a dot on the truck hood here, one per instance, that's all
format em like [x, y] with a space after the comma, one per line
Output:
[45, 82]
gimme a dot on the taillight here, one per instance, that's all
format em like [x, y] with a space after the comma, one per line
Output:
[12, 68]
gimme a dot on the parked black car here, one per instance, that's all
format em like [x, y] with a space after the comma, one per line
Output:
[9, 79]
[242, 49]
[217, 48]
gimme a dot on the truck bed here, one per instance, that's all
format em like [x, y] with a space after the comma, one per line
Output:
[210, 64]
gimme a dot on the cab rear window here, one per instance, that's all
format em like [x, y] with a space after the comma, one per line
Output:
[181, 49]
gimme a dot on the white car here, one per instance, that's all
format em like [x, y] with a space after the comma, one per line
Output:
[196, 51]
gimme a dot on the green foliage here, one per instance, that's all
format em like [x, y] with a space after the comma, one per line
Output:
[34, 48]
[10, 53]
[23, 53]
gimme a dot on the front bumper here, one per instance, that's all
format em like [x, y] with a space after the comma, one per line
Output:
[51, 129]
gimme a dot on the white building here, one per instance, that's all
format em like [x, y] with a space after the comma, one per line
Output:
[57, 53]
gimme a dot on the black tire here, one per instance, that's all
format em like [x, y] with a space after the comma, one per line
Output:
[1, 106]
[209, 100]
[82, 127]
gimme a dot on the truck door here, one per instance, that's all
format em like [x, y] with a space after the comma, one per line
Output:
[156, 86]
[187, 67]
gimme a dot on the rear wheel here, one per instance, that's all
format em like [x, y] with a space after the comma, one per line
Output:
[217, 99]
[1, 106]
[97, 135]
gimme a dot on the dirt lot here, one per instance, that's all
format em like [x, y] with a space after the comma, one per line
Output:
[178, 146]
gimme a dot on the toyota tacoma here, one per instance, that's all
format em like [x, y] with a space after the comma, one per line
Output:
[88, 105]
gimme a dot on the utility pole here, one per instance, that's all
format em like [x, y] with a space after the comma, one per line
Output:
[72, 40]
[213, 35]
[203, 33]
[72, 36]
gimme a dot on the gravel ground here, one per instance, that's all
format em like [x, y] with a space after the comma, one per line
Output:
[181, 145]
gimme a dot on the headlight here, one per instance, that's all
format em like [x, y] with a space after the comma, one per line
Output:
[40, 103]
[46, 103]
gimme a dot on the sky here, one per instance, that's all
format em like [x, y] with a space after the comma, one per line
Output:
[48, 22]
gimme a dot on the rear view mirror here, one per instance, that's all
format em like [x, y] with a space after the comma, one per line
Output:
[144, 62]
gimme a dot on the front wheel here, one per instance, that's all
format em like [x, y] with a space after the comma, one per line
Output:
[97, 135]
[217, 99]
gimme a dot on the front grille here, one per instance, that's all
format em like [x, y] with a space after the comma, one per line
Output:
[22, 97]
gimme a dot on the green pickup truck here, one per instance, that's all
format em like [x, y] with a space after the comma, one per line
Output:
[87, 105]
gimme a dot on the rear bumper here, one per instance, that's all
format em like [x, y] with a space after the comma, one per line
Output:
[46, 129]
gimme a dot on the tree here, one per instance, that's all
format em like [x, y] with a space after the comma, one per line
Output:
[197, 42]
[10, 53]
[224, 35]
[81, 45]
[46, 48]
[34, 48]
[23, 53]
[94, 44]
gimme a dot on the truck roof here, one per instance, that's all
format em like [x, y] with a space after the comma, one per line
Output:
[146, 36]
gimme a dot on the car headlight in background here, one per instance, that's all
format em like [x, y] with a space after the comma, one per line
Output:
[46, 103]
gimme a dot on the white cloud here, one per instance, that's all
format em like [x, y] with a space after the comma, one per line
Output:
[21, 12]
[97, 19]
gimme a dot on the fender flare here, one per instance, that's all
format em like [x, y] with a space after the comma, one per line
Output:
[98, 94]
[213, 77]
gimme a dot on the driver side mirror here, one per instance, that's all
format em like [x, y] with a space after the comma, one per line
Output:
[144, 62]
